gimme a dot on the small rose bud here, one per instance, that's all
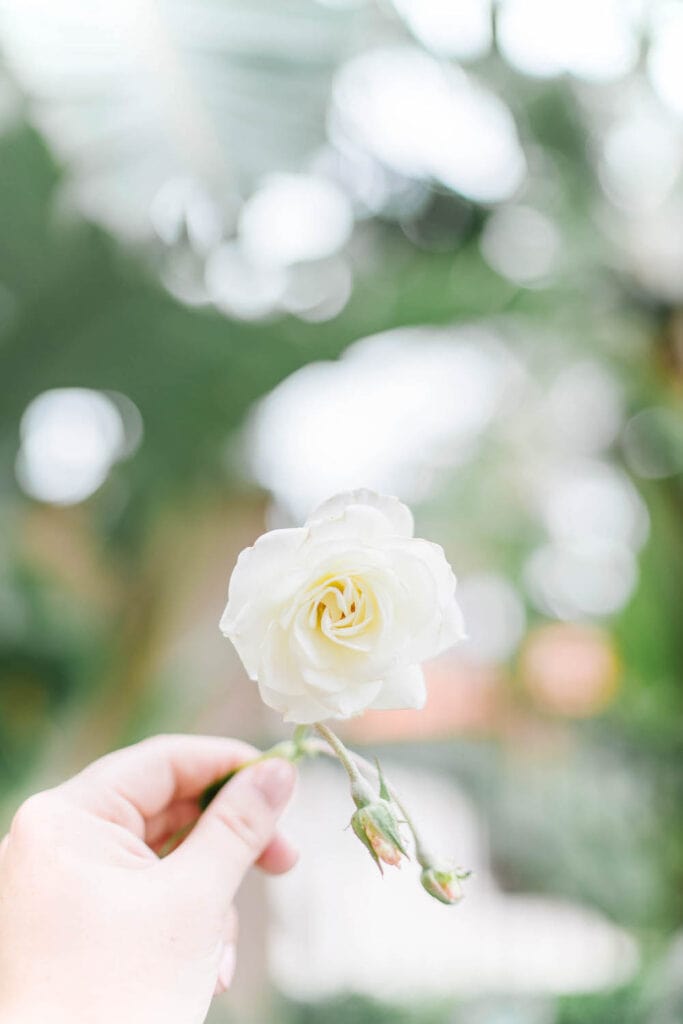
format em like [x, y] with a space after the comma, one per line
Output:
[444, 882]
[376, 826]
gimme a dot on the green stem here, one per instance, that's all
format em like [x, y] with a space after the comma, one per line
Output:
[361, 792]
[290, 750]
[422, 854]
[299, 735]
[207, 795]
[177, 837]
[340, 751]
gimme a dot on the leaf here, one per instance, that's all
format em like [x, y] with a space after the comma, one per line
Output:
[383, 788]
[207, 795]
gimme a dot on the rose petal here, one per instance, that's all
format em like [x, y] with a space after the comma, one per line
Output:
[352, 700]
[303, 710]
[427, 599]
[404, 688]
[398, 515]
[307, 708]
[278, 667]
[358, 525]
[265, 577]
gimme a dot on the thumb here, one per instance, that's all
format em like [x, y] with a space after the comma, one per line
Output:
[237, 826]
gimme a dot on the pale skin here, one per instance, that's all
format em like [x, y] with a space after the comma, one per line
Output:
[94, 926]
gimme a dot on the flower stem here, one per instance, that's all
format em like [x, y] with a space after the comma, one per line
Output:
[177, 837]
[340, 751]
[290, 750]
[299, 735]
[361, 792]
[422, 855]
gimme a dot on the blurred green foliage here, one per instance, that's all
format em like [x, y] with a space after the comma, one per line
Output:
[620, 1007]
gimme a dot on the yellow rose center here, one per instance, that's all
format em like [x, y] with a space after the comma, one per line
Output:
[340, 608]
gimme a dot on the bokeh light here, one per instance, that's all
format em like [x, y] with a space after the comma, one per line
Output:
[394, 397]
[570, 669]
[521, 243]
[642, 157]
[495, 617]
[70, 438]
[583, 578]
[460, 30]
[293, 218]
[593, 39]
[182, 209]
[592, 500]
[584, 407]
[664, 57]
[429, 121]
[241, 287]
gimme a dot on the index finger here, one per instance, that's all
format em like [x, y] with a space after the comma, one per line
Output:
[150, 775]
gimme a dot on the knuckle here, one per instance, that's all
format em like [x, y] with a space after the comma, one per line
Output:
[33, 816]
[242, 826]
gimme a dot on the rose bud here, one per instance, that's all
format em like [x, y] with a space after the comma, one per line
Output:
[376, 826]
[444, 883]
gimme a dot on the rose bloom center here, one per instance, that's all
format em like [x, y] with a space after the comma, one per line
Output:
[340, 608]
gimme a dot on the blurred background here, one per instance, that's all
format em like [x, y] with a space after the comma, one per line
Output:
[253, 252]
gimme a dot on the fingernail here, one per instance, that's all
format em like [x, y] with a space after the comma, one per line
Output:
[226, 971]
[275, 779]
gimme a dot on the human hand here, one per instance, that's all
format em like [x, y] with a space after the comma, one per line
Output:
[94, 927]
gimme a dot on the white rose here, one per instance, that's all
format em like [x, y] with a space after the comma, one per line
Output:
[336, 616]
